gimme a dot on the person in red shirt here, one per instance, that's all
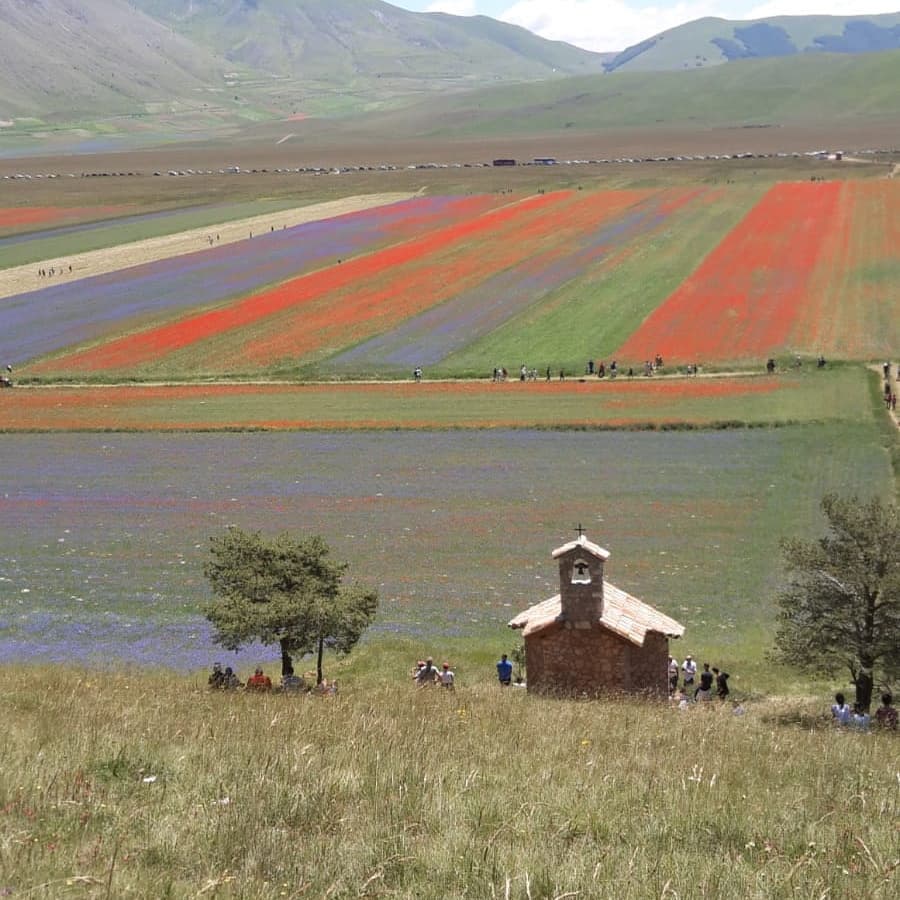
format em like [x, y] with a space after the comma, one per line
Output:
[259, 681]
[886, 714]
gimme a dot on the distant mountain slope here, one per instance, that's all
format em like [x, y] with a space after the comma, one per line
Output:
[58, 56]
[711, 41]
[750, 93]
[342, 40]
[226, 61]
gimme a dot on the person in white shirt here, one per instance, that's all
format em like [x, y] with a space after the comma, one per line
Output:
[689, 667]
[860, 718]
[427, 674]
[673, 674]
[447, 676]
[840, 710]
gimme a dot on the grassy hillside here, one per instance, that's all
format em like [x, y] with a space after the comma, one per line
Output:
[750, 92]
[341, 40]
[66, 60]
[156, 787]
[224, 60]
[712, 41]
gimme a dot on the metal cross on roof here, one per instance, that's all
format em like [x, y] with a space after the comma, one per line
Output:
[580, 530]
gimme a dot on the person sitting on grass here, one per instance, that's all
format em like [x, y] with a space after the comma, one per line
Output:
[886, 714]
[217, 677]
[259, 681]
[291, 683]
[860, 718]
[840, 711]
[230, 681]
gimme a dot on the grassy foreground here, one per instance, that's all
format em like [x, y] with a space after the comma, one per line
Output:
[118, 785]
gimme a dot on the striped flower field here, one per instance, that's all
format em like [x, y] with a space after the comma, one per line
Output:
[812, 268]
[463, 284]
[67, 313]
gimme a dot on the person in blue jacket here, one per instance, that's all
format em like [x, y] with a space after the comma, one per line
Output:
[504, 671]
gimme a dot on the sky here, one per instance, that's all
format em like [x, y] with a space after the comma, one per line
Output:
[605, 25]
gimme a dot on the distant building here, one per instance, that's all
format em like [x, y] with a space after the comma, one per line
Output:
[592, 637]
[504, 162]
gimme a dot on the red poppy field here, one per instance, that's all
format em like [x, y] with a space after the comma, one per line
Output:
[20, 217]
[716, 276]
[638, 403]
[813, 268]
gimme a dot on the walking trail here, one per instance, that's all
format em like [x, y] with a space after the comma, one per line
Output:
[19, 279]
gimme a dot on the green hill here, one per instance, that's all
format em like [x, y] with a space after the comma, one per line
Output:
[711, 41]
[807, 89]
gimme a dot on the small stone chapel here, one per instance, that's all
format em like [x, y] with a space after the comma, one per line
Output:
[592, 637]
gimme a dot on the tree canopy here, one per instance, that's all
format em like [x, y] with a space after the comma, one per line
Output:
[286, 592]
[841, 607]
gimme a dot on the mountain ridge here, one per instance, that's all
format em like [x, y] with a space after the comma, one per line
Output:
[712, 41]
[252, 59]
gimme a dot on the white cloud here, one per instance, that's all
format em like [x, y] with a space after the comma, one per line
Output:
[813, 8]
[612, 25]
[454, 7]
[615, 25]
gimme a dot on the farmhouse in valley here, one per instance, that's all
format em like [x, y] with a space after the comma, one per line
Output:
[592, 637]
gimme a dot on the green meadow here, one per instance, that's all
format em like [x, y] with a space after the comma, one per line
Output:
[159, 788]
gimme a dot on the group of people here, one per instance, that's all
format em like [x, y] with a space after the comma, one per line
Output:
[425, 673]
[526, 373]
[600, 369]
[697, 684]
[225, 679]
[858, 719]
[890, 395]
[53, 270]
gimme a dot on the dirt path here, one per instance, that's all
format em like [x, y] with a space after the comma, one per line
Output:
[20, 279]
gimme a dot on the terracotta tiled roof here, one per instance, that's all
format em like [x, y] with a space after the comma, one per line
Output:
[623, 614]
[585, 544]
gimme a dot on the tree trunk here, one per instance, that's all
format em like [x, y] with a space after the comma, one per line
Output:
[864, 686]
[287, 664]
[319, 660]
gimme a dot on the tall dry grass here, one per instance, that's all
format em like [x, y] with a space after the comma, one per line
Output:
[148, 785]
